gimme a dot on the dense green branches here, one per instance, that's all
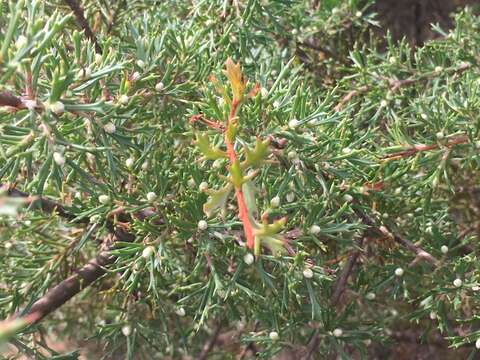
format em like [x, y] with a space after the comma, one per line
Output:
[368, 159]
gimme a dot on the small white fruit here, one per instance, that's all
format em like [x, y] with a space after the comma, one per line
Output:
[104, 199]
[307, 273]
[248, 259]
[347, 197]
[315, 229]
[290, 197]
[203, 186]
[140, 63]
[159, 86]
[275, 202]
[127, 330]
[151, 196]
[109, 128]
[58, 158]
[292, 124]
[123, 99]
[180, 312]
[129, 163]
[202, 225]
[444, 249]
[337, 332]
[457, 282]
[399, 272]
[477, 344]
[274, 336]
[433, 315]
[57, 107]
[148, 252]
[370, 296]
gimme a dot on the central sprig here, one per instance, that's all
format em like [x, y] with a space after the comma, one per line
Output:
[240, 162]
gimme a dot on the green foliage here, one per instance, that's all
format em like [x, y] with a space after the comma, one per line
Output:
[337, 133]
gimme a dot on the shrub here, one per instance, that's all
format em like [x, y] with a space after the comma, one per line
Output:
[356, 167]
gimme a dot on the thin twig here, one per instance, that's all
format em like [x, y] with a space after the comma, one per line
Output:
[83, 24]
[121, 4]
[420, 253]
[210, 344]
[47, 205]
[340, 285]
[395, 84]
[412, 150]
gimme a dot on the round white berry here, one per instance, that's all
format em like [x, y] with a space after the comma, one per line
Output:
[438, 68]
[151, 196]
[347, 197]
[58, 158]
[433, 315]
[477, 344]
[126, 330]
[290, 197]
[264, 92]
[148, 252]
[248, 259]
[129, 162]
[140, 63]
[159, 86]
[457, 282]
[370, 296]
[57, 107]
[104, 199]
[307, 273]
[399, 272]
[273, 336]
[203, 186]
[191, 183]
[358, 14]
[337, 332]
[383, 103]
[346, 150]
[292, 124]
[135, 76]
[275, 202]
[180, 311]
[123, 99]
[292, 155]
[315, 229]
[202, 225]
[95, 218]
[444, 249]
[110, 128]
[145, 165]
[440, 135]
[21, 42]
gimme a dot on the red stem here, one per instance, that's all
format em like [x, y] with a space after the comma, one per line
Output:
[242, 207]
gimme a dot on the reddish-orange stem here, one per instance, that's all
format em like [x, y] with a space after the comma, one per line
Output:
[242, 207]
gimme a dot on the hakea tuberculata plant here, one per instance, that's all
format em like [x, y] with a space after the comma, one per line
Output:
[243, 165]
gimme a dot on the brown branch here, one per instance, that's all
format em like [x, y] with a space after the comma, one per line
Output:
[7, 99]
[210, 344]
[83, 24]
[68, 288]
[420, 253]
[349, 96]
[395, 84]
[412, 150]
[45, 204]
[121, 4]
